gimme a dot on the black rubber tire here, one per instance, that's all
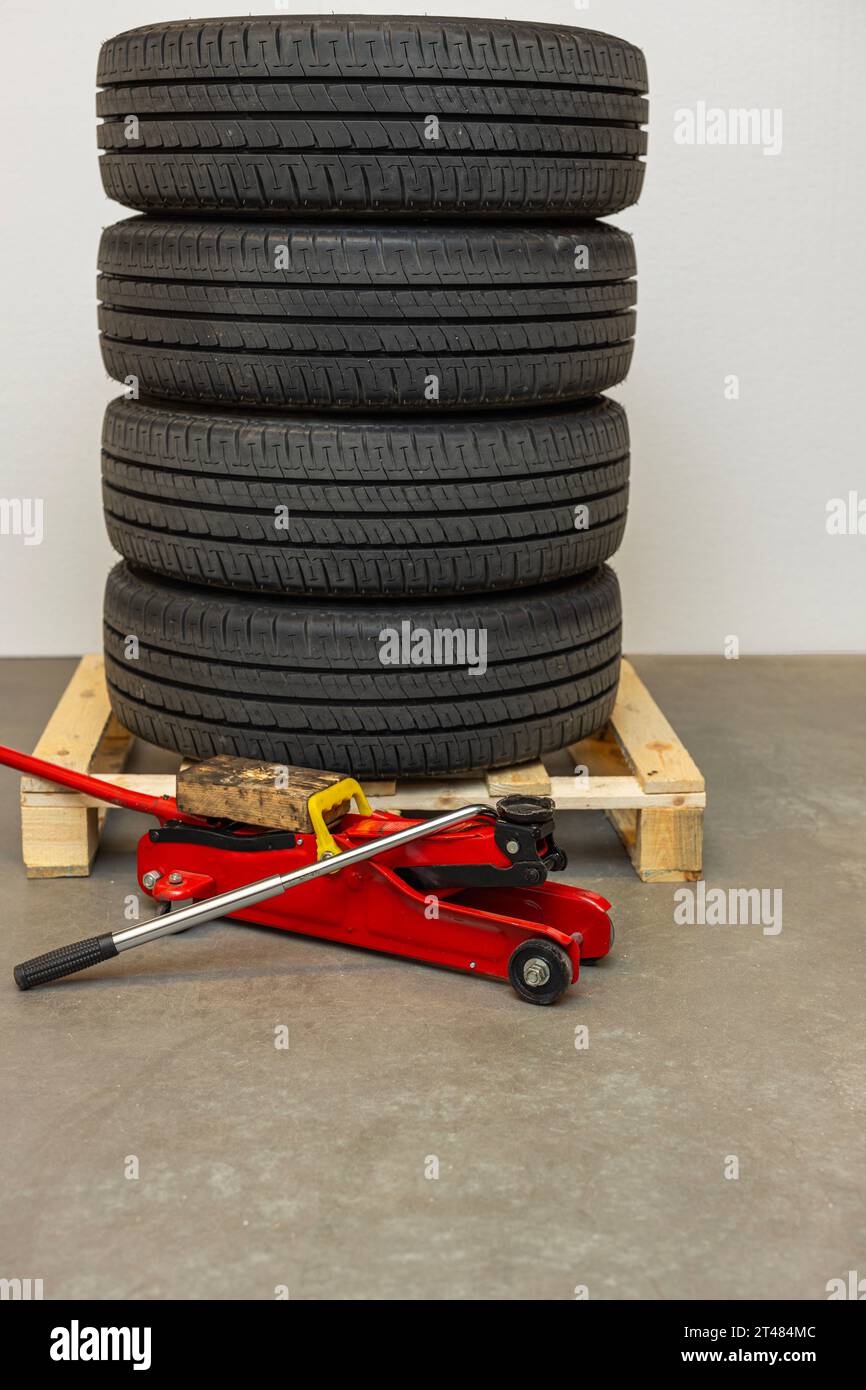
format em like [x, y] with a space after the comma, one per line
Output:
[374, 506]
[324, 115]
[558, 962]
[296, 681]
[366, 317]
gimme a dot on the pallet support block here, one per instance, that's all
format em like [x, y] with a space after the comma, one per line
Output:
[665, 846]
[59, 830]
[665, 843]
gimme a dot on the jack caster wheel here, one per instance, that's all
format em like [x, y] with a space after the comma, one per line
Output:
[540, 971]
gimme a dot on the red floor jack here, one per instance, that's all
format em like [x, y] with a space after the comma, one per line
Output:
[467, 889]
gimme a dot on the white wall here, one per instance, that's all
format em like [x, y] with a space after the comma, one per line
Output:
[748, 265]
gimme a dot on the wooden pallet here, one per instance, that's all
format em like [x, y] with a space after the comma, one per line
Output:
[636, 771]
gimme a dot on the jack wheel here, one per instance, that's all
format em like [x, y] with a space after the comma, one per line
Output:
[540, 971]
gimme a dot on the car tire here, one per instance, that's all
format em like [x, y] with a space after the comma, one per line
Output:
[387, 317]
[359, 115]
[365, 506]
[381, 689]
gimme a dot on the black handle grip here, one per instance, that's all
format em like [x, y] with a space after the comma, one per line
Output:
[64, 961]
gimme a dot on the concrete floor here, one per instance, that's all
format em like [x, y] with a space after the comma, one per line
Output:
[557, 1167]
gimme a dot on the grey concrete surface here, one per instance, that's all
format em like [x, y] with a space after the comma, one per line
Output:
[557, 1167]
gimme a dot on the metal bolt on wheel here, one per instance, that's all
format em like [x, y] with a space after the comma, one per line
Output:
[536, 972]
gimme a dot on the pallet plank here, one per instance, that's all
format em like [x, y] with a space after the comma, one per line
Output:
[651, 747]
[80, 722]
[151, 783]
[604, 793]
[569, 793]
[59, 839]
[429, 794]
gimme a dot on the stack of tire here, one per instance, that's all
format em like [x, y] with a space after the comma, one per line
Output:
[362, 478]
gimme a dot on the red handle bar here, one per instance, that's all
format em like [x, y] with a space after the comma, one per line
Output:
[163, 807]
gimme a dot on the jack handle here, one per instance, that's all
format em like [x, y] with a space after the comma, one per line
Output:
[163, 807]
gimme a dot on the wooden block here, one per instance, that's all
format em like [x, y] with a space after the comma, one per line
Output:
[384, 788]
[665, 844]
[652, 749]
[669, 840]
[532, 779]
[258, 793]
